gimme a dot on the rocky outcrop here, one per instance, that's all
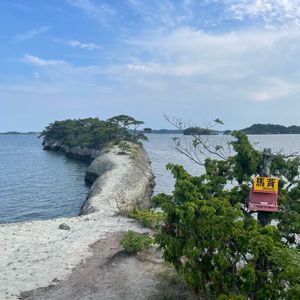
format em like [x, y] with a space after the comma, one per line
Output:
[82, 153]
[121, 180]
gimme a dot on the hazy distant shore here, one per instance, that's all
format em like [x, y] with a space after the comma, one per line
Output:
[255, 129]
[19, 133]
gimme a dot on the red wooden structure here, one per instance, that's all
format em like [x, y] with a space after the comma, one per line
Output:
[264, 194]
[259, 201]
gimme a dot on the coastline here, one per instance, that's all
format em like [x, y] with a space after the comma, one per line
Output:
[37, 253]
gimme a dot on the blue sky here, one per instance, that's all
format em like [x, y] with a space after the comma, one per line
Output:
[193, 59]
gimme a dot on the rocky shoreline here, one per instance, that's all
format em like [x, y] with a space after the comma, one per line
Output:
[108, 168]
[39, 253]
[82, 153]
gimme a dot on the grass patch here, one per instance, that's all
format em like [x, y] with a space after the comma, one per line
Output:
[147, 218]
[134, 242]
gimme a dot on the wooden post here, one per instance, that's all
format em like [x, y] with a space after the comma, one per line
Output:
[264, 216]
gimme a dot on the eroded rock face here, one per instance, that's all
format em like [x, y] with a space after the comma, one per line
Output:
[82, 153]
[98, 167]
[120, 181]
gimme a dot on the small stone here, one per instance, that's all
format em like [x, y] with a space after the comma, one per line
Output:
[64, 226]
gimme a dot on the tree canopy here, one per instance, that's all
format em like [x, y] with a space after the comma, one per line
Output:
[92, 132]
[198, 131]
[148, 130]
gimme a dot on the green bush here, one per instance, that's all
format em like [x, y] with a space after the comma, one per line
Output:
[124, 147]
[135, 242]
[147, 218]
[220, 248]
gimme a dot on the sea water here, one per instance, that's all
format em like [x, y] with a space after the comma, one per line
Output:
[38, 184]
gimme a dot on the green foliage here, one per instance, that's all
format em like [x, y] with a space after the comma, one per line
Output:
[127, 122]
[90, 132]
[198, 131]
[123, 121]
[219, 121]
[135, 242]
[271, 129]
[246, 162]
[147, 130]
[220, 249]
[147, 218]
[124, 147]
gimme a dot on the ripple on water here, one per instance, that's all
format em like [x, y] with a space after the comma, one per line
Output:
[37, 184]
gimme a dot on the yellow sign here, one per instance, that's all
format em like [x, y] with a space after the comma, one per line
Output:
[265, 184]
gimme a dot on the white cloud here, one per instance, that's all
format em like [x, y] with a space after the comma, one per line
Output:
[31, 34]
[213, 13]
[101, 12]
[164, 14]
[285, 12]
[34, 60]
[241, 66]
[180, 70]
[262, 96]
[190, 52]
[88, 46]
[190, 40]
[274, 89]
[214, 73]
[59, 72]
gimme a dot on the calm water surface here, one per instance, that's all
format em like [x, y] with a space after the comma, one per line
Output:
[37, 184]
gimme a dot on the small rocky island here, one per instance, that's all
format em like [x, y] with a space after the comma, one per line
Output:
[120, 173]
[61, 258]
[86, 138]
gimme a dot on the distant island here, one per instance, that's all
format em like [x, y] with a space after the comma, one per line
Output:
[271, 129]
[163, 131]
[187, 131]
[199, 131]
[253, 129]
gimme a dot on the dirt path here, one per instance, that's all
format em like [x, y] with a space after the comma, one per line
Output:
[111, 274]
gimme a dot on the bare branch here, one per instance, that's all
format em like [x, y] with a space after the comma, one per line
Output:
[286, 156]
[200, 147]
